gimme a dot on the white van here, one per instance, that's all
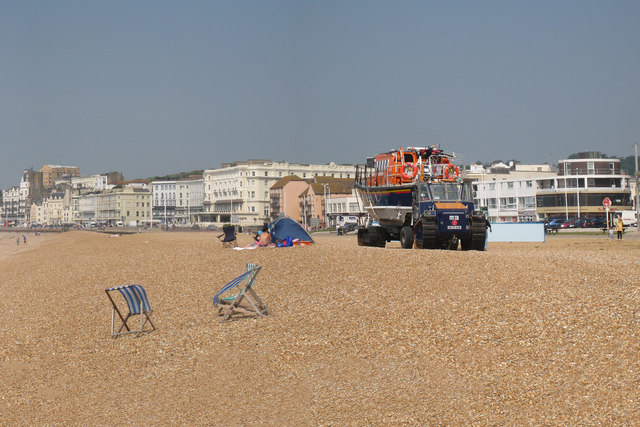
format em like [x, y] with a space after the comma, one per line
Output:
[629, 218]
[119, 224]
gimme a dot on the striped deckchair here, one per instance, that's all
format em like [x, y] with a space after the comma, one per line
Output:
[228, 306]
[138, 304]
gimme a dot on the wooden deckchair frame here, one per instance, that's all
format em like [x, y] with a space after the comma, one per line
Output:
[138, 306]
[245, 301]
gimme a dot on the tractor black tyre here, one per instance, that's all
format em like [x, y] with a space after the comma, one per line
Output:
[363, 237]
[406, 237]
[429, 234]
[377, 237]
[465, 244]
[478, 234]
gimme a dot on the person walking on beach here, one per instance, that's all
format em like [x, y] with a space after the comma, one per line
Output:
[18, 240]
[24, 237]
[487, 224]
[619, 227]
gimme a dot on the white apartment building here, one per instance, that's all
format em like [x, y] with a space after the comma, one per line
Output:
[189, 200]
[83, 208]
[239, 192]
[11, 206]
[507, 200]
[532, 192]
[85, 183]
[164, 201]
[508, 192]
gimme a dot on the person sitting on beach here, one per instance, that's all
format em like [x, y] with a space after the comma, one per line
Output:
[264, 239]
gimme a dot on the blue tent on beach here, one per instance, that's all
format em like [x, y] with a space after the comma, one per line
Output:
[283, 228]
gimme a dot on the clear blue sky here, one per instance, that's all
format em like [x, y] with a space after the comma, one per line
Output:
[155, 87]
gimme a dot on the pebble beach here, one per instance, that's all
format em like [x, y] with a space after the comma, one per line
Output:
[524, 333]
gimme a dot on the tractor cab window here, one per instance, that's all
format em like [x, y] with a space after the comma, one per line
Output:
[424, 193]
[447, 191]
[467, 193]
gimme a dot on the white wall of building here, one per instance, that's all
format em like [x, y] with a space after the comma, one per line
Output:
[239, 192]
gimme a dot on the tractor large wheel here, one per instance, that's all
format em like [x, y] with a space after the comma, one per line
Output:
[378, 236]
[363, 237]
[406, 237]
[478, 234]
[372, 236]
[429, 234]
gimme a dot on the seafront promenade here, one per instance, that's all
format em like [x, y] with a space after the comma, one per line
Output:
[541, 333]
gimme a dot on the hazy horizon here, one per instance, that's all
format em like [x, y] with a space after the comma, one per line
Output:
[151, 88]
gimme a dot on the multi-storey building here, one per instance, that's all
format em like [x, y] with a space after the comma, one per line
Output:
[37, 214]
[283, 197]
[130, 204]
[164, 201]
[53, 210]
[239, 192]
[189, 200]
[17, 200]
[581, 186]
[326, 202]
[56, 208]
[85, 184]
[52, 172]
[11, 206]
[84, 208]
[535, 193]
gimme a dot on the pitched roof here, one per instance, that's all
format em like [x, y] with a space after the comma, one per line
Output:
[285, 180]
[335, 185]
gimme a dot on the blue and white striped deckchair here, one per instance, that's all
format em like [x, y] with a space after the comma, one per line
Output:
[138, 304]
[227, 306]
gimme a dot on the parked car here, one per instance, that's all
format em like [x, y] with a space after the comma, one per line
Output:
[596, 223]
[555, 224]
[579, 223]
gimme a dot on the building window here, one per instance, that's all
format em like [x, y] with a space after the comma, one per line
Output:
[507, 203]
[266, 173]
[591, 170]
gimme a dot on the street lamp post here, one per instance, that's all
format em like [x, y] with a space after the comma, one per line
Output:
[636, 175]
[326, 210]
[566, 207]
[578, 192]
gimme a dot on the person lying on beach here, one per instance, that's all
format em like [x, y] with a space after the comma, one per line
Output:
[264, 239]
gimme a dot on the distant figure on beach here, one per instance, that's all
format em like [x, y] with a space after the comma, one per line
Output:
[24, 237]
[619, 227]
[487, 224]
[18, 240]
